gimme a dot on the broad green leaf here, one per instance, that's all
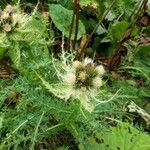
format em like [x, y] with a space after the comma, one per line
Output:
[117, 30]
[66, 3]
[122, 7]
[121, 137]
[125, 137]
[110, 16]
[147, 30]
[143, 56]
[62, 18]
[101, 30]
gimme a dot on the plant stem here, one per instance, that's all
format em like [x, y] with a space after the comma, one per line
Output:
[36, 131]
[116, 58]
[72, 22]
[77, 23]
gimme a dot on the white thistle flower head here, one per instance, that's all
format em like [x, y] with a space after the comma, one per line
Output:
[94, 6]
[18, 19]
[7, 27]
[7, 12]
[87, 61]
[97, 82]
[10, 9]
[100, 70]
[80, 81]
[82, 76]
[14, 18]
[4, 16]
[70, 79]
[77, 64]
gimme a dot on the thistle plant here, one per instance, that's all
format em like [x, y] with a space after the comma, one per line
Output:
[12, 27]
[11, 18]
[77, 80]
[83, 80]
[16, 26]
[21, 32]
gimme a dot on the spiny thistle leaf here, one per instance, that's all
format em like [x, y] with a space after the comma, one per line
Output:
[57, 91]
[117, 30]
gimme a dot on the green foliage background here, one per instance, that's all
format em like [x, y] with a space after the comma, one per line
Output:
[33, 118]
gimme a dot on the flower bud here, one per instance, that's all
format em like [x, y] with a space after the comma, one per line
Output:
[77, 64]
[82, 76]
[10, 9]
[70, 79]
[7, 27]
[87, 61]
[100, 70]
[4, 16]
[97, 82]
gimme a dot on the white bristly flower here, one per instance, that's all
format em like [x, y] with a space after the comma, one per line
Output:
[70, 79]
[77, 64]
[4, 16]
[87, 61]
[82, 76]
[19, 18]
[79, 80]
[100, 70]
[97, 82]
[7, 27]
[10, 9]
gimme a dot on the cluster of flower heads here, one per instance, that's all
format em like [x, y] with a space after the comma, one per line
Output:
[78, 80]
[10, 18]
[85, 75]
[83, 80]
